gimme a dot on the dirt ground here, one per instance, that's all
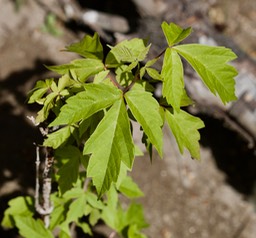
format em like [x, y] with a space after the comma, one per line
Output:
[183, 198]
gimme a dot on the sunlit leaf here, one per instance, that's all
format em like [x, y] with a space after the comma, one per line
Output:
[59, 137]
[84, 104]
[89, 47]
[174, 33]
[173, 82]
[185, 129]
[127, 51]
[81, 68]
[210, 63]
[29, 227]
[146, 111]
[110, 144]
[129, 188]
[19, 206]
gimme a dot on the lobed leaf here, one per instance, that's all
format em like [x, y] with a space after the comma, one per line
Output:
[84, 104]
[127, 51]
[185, 129]
[75, 211]
[110, 144]
[59, 137]
[129, 188]
[19, 206]
[80, 69]
[29, 227]
[88, 47]
[145, 109]
[210, 62]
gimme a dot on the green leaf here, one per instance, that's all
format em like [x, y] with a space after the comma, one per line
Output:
[39, 90]
[29, 227]
[173, 83]
[145, 109]
[110, 144]
[64, 82]
[58, 213]
[210, 62]
[112, 214]
[85, 227]
[174, 34]
[101, 76]
[68, 173]
[95, 215]
[84, 104]
[134, 232]
[43, 114]
[80, 68]
[93, 200]
[185, 129]
[59, 137]
[76, 209]
[89, 47]
[127, 51]
[135, 215]
[19, 206]
[154, 74]
[129, 188]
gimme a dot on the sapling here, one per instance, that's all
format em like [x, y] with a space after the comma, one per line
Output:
[88, 113]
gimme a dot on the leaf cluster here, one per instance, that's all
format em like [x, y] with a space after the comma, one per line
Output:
[91, 108]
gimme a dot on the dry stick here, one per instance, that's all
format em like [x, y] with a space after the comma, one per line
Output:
[112, 234]
[45, 209]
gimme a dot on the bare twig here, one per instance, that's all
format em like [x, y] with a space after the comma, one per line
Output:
[112, 234]
[45, 209]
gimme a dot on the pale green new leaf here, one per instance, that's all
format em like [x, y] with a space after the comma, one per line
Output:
[134, 232]
[185, 129]
[59, 137]
[76, 210]
[39, 90]
[74, 192]
[89, 47]
[19, 206]
[154, 74]
[127, 51]
[210, 63]
[146, 111]
[93, 200]
[110, 144]
[129, 188]
[64, 82]
[112, 214]
[29, 227]
[174, 33]
[173, 82]
[94, 216]
[84, 104]
[48, 102]
[81, 68]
